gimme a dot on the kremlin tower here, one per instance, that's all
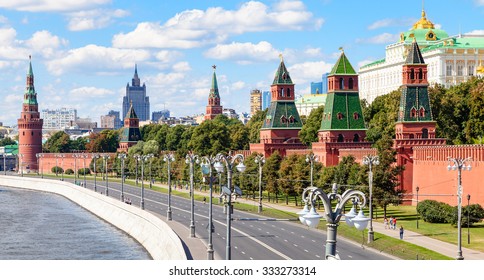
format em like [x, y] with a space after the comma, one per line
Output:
[213, 108]
[29, 126]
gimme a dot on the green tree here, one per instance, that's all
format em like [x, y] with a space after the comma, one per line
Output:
[6, 141]
[271, 174]
[474, 126]
[59, 142]
[309, 131]
[151, 147]
[173, 137]
[105, 141]
[382, 115]
[210, 138]
[254, 125]
[239, 137]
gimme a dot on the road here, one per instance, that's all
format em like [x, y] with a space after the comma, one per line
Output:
[251, 240]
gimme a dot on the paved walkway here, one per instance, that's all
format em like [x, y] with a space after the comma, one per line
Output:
[441, 247]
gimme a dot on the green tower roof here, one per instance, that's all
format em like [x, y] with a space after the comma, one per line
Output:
[282, 75]
[282, 115]
[30, 96]
[131, 113]
[214, 88]
[342, 66]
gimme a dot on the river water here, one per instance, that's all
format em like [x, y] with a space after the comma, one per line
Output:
[43, 226]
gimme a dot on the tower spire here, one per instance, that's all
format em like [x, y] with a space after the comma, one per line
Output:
[135, 81]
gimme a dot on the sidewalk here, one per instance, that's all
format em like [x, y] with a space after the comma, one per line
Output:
[441, 247]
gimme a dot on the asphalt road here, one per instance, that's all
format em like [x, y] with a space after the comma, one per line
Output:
[251, 240]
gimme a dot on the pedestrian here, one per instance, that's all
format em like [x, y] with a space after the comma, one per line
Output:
[385, 222]
[394, 223]
[401, 232]
[391, 222]
[204, 200]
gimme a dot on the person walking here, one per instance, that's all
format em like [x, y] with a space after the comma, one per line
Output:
[385, 222]
[391, 222]
[401, 232]
[394, 223]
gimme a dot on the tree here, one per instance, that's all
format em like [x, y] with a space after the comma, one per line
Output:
[59, 142]
[151, 147]
[105, 141]
[271, 174]
[474, 126]
[385, 175]
[309, 131]
[254, 125]
[210, 138]
[382, 115]
[173, 137]
[239, 137]
[6, 141]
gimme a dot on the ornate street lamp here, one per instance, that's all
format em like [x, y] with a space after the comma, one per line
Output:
[75, 156]
[418, 216]
[311, 158]
[105, 158]
[207, 165]
[62, 156]
[370, 161]
[122, 157]
[311, 217]
[84, 156]
[459, 165]
[468, 219]
[260, 160]
[4, 164]
[142, 158]
[229, 162]
[38, 162]
[169, 158]
[94, 158]
[21, 161]
[56, 164]
[192, 158]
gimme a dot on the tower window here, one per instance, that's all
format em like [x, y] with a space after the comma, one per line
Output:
[413, 113]
[341, 83]
[356, 138]
[421, 112]
[412, 74]
[340, 116]
[425, 133]
[356, 116]
[420, 74]
[350, 83]
[340, 138]
[288, 92]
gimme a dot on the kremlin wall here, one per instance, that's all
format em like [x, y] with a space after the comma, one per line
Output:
[342, 132]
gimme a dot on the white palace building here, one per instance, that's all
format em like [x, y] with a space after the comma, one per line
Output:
[450, 59]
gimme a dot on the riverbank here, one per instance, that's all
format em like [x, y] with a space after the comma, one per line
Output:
[151, 232]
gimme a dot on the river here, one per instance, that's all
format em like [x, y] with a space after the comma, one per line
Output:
[44, 226]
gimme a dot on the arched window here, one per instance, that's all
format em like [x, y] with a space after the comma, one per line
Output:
[350, 83]
[356, 138]
[356, 115]
[411, 136]
[340, 138]
[341, 83]
[282, 92]
[420, 74]
[413, 113]
[421, 112]
[288, 92]
[425, 133]
[412, 74]
[340, 116]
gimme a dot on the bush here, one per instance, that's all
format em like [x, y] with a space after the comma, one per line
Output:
[474, 211]
[83, 171]
[435, 212]
[57, 170]
[69, 171]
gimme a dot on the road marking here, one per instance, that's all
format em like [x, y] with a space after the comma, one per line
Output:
[318, 256]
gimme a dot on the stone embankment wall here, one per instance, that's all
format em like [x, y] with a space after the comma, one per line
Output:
[152, 233]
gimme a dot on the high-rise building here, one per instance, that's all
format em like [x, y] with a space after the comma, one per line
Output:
[137, 95]
[59, 119]
[111, 120]
[29, 127]
[255, 101]
[451, 60]
[213, 108]
[266, 100]
[156, 116]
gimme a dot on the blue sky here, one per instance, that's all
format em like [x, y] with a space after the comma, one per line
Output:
[84, 51]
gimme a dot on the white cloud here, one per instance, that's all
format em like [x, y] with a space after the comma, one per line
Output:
[476, 32]
[392, 22]
[480, 2]
[244, 53]
[50, 5]
[45, 43]
[165, 56]
[96, 59]
[93, 19]
[195, 28]
[237, 85]
[182, 66]
[3, 19]
[93, 92]
[383, 38]
[306, 72]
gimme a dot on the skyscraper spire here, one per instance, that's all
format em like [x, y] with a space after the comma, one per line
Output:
[136, 80]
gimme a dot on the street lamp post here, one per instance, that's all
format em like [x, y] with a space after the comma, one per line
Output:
[311, 217]
[418, 216]
[151, 180]
[84, 156]
[459, 165]
[311, 158]
[38, 162]
[21, 161]
[95, 157]
[207, 164]
[468, 219]
[122, 157]
[137, 157]
[56, 164]
[75, 156]
[370, 161]
[105, 158]
[169, 158]
[4, 164]
[260, 160]
[229, 162]
[192, 158]
[62, 156]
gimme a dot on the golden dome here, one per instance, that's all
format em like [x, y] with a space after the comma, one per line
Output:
[423, 23]
[480, 69]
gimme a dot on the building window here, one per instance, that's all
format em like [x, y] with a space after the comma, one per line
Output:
[420, 74]
[448, 70]
[340, 116]
[460, 70]
[356, 138]
[288, 92]
[412, 74]
[470, 70]
[421, 112]
[425, 133]
[413, 113]
[356, 116]
[350, 83]
[340, 138]
[341, 83]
